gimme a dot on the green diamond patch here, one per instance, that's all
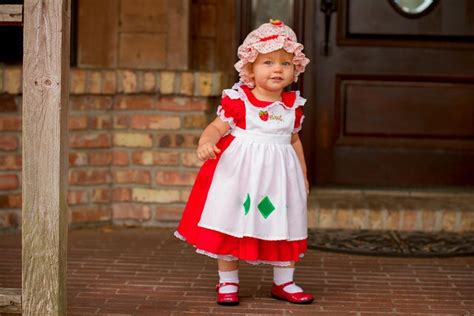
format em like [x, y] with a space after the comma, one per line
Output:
[247, 204]
[265, 207]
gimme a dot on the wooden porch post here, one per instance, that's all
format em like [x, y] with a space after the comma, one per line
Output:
[44, 183]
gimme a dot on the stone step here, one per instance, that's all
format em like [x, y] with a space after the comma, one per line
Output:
[403, 210]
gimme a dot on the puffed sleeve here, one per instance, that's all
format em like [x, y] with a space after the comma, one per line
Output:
[299, 117]
[231, 111]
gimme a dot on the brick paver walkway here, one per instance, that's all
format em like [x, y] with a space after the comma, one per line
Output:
[149, 272]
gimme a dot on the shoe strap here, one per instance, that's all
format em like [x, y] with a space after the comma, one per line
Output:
[286, 284]
[218, 286]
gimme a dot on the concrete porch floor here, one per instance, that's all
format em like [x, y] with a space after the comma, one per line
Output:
[146, 271]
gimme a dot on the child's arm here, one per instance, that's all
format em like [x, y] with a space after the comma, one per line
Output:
[210, 136]
[296, 143]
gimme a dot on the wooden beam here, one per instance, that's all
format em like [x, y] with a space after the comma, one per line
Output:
[178, 19]
[45, 136]
[10, 300]
[11, 14]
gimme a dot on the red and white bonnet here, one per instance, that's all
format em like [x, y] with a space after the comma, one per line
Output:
[267, 38]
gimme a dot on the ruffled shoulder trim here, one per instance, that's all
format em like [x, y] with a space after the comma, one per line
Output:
[299, 124]
[233, 93]
[299, 101]
[232, 109]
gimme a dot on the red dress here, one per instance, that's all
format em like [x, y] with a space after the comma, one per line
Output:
[220, 245]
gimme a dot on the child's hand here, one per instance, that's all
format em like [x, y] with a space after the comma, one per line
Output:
[306, 184]
[207, 150]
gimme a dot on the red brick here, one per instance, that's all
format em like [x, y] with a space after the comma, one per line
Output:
[101, 122]
[78, 79]
[7, 102]
[198, 121]
[100, 158]
[94, 85]
[467, 221]
[90, 103]
[77, 197]
[122, 194]
[183, 104]
[126, 139]
[429, 219]
[168, 213]
[131, 211]
[10, 123]
[409, 220]
[109, 82]
[102, 140]
[91, 214]
[77, 122]
[121, 121]
[175, 177]
[89, 176]
[184, 195]
[190, 159]
[120, 158]
[133, 102]
[177, 140]
[155, 158]
[132, 176]
[9, 219]
[9, 182]
[10, 201]
[8, 143]
[101, 195]
[77, 159]
[149, 81]
[10, 162]
[154, 122]
[128, 79]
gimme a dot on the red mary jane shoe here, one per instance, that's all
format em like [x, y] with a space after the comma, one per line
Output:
[227, 298]
[296, 298]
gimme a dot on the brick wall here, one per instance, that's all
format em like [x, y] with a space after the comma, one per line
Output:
[132, 139]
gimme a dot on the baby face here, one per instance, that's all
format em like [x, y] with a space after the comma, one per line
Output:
[273, 71]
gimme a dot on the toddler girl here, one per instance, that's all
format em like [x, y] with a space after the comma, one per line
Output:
[249, 199]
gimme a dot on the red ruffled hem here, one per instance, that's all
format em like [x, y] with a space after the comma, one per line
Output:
[246, 248]
[217, 243]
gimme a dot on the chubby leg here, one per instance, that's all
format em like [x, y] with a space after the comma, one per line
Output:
[224, 265]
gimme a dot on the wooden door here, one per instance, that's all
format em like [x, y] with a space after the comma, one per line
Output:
[392, 103]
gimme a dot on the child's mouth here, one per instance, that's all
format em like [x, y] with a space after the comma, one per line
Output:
[277, 78]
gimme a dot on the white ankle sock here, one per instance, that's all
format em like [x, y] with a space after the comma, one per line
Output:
[284, 275]
[228, 276]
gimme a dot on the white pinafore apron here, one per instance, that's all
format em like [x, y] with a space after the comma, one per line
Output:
[258, 187]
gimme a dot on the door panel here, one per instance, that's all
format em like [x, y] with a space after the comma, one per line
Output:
[393, 106]
[406, 109]
[401, 167]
